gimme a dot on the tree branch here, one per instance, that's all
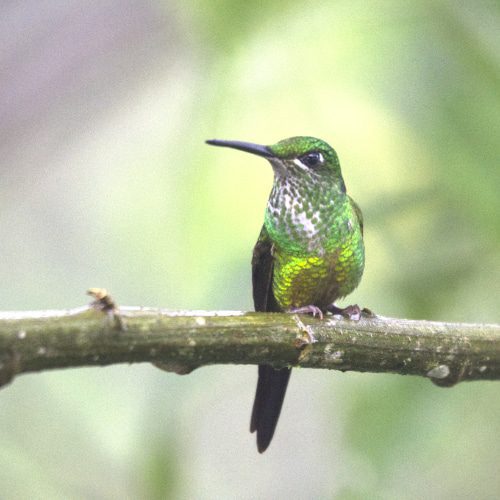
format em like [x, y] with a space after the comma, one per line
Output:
[447, 353]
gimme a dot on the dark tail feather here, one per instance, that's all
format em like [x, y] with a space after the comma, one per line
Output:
[271, 388]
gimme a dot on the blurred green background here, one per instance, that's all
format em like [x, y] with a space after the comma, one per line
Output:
[105, 181]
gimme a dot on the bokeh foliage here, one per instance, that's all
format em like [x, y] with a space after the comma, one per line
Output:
[105, 181]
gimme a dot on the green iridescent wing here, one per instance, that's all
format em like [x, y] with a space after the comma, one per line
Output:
[358, 212]
[272, 384]
[262, 274]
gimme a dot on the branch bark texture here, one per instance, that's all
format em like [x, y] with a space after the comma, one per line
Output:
[446, 353]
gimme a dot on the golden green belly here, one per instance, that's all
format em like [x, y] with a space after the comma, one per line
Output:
[317, 280]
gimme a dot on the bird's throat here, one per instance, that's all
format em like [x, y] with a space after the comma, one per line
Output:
[300, 219]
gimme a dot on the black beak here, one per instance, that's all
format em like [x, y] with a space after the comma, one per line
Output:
[248, 147]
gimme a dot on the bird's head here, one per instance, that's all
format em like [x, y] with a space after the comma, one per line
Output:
[303, 158]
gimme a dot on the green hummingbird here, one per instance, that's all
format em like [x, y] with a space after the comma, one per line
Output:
[309, 253]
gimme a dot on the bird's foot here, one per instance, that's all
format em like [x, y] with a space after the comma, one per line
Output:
[310, 309]
[352, 312]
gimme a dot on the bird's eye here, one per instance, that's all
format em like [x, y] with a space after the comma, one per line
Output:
[312, 159]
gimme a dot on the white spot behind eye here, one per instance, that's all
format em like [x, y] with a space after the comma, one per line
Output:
[301, 165]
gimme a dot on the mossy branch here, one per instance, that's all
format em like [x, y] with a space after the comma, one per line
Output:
[446, 353]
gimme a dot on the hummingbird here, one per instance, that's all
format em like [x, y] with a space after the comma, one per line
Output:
[309, 253]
